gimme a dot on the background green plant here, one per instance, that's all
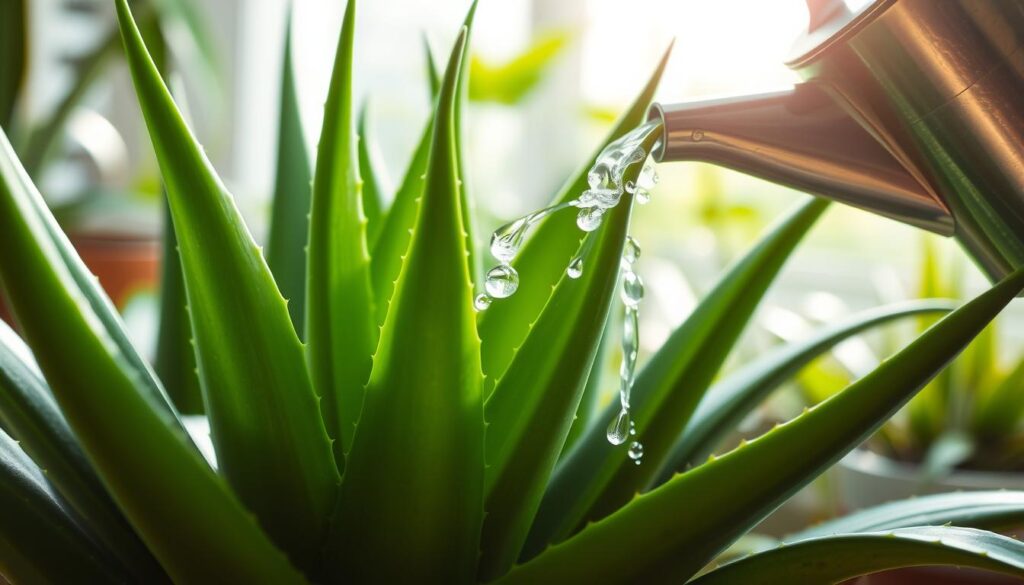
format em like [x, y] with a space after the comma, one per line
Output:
[432, 449]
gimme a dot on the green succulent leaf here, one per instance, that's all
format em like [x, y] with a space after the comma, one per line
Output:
[590, 403]
[13, 57]
[396, 231]
[39, 540]
[373, 175]
[393, 241]
[264, 420]
[669, 533]
[199, 531]
[597, 478]
[989, 510]
[29, 413]
[465, 199]
[433, 71]
[533, 405]
[729, 401]
[832, 559]
[414, 477]
[175, 360]
[289, 221]
[543, 259]
[340, 328]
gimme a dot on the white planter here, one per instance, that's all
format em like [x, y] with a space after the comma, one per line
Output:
[867, 479]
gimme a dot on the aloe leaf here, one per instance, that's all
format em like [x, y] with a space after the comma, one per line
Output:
[29, 413]
[669, 533]
[264, 419]
[175, 360]
[989, 510]
[341, 332]
[543, 259]
[414, 477]
[289, 220]
[596, 477]
[590, 403]
[729, 401]
[465, 198]
[433, 71]
[1000, 412]
[370, 170]
[39, 540]
[13, 49]
[199, 531]
[832, 559]
[86, 286]
[533, 405]
[396, 230]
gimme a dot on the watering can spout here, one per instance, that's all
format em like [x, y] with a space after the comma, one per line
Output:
[802, 139]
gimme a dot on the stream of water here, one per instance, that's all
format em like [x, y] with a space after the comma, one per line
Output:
[606, 181]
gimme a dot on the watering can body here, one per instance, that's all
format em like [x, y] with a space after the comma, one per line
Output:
[912, 109]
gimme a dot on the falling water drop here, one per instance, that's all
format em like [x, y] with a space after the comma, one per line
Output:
[632, 289]
[575, 269]
[631, 250]
[636, 451]
[618, 430]
[502, 281]
[507, 240]
[589, 219]
[648, 176]
[482, 301]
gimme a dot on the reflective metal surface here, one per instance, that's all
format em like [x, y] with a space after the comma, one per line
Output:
[913, 109]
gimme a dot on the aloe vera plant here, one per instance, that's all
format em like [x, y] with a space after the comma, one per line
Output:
[409, 438]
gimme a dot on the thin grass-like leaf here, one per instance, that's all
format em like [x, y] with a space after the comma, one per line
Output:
[988, 510]
[729, 401]
[596, 477]
[264, 419]
[832, 559]
[289, 219]
[29, 413]
[414, 476]
[669, 533]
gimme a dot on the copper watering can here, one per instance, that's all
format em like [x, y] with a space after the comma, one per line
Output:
[911, 109]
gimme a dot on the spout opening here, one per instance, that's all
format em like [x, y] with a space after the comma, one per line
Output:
[655, 112]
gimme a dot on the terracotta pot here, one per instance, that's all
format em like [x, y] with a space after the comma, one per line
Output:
[125, 264]
[867, 479]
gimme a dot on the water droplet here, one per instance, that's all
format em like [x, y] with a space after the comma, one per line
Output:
[482, 301]
[589, 219]
[575, 269]
[618, 430]
[502, 281]
[508, 239]
[632, 289]
[631, 251]
[648, 176]
[636, 450]
[632, 429]
[642, 196]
